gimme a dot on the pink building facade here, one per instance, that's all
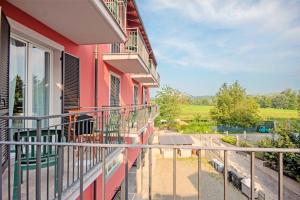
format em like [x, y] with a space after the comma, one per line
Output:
[85, 54]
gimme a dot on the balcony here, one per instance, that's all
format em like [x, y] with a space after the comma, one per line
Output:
[82, 21]
[49, 171]
[131, 56]
[62, 187]
[151, 79]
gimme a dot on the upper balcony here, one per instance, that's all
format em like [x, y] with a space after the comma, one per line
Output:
[151, 79]
[131, 56]
[82, 21]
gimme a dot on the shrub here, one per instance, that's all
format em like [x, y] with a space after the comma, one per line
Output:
[229, 139]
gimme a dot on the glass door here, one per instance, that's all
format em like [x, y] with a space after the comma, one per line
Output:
[17, 80]
[29, 81]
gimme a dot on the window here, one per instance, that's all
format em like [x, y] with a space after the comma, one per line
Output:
[145, 96]
[114, 91]
[135, 95]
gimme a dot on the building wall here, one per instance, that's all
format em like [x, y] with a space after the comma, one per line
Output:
[87, 74]
[87, 65]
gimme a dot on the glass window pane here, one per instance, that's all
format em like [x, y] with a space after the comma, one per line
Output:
[17, 80]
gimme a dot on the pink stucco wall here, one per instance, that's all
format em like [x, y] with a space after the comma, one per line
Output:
[87, 74]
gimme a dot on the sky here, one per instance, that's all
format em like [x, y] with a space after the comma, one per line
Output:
[200, 44]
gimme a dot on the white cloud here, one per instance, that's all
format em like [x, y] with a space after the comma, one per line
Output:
[267, 15]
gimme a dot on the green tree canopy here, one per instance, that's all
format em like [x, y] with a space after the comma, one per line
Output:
[169, 100]
[234, 108]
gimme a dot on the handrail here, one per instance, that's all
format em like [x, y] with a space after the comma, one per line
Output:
[93, 110]
[147, 146]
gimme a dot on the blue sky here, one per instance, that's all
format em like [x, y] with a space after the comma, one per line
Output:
[200, 44]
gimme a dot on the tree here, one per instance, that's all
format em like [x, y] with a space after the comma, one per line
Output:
[234, 108]
[168, 100]
[299, 103]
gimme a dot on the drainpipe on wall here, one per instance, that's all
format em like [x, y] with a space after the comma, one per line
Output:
[96, 84]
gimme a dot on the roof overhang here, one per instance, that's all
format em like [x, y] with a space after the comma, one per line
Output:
[127, 62]
[82, 21]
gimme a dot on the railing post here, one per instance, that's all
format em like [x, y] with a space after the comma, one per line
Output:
[38, 160]
[252, 175]
[280, 176]
[60, 170]
[103, 153]
[1, 166]
[225, 175]
[126, 173]
[19, 172]
[150, 173]
[81, 172]
[174, 173]
[199, 170]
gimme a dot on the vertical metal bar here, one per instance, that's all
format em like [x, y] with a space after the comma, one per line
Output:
[60, 171]
[95, 190]
[19, 172]
[27, 166]
[150, 173]
[38, 161]
[81, 173]
[126, 173]
[174, 173]
[48, 154]
[141, 166]
[199, 171]
[103, 152]
[280, 176]
[225, 175]
[8, 173]
[252, 175]
[1, 166]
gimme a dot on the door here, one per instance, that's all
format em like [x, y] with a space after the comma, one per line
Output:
[29, 81]
[4, 83]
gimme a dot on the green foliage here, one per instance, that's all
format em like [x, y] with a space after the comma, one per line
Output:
[244, 143]
[197, 125]
[299, 103]
[286, 99]
[168, 100]
[229, 139]
[291, 161]
[234, 108]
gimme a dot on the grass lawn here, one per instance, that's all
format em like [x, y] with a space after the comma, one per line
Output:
[189, 111]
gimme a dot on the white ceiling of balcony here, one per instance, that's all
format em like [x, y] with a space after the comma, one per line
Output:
[82, 21]
[143, 78]
[127, 63]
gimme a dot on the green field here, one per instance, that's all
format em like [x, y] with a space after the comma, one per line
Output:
[189, 111]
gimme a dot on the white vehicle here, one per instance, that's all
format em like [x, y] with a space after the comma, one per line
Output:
[246, 188]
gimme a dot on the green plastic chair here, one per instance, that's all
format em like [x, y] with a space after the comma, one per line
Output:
[49, 155]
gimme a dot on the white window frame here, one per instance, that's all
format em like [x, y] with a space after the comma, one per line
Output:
[27, 35]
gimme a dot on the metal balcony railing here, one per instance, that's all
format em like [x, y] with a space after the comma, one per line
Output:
[62, 171]
[153, 72]
[59, 167]
[118, 10]
[134, 44]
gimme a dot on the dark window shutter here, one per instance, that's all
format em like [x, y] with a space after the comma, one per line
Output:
[71, 82]
[114, 91]
[4, 82]
[135, 95]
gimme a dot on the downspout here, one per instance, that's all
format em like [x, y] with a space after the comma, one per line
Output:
[96, 76]
[96, 87]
